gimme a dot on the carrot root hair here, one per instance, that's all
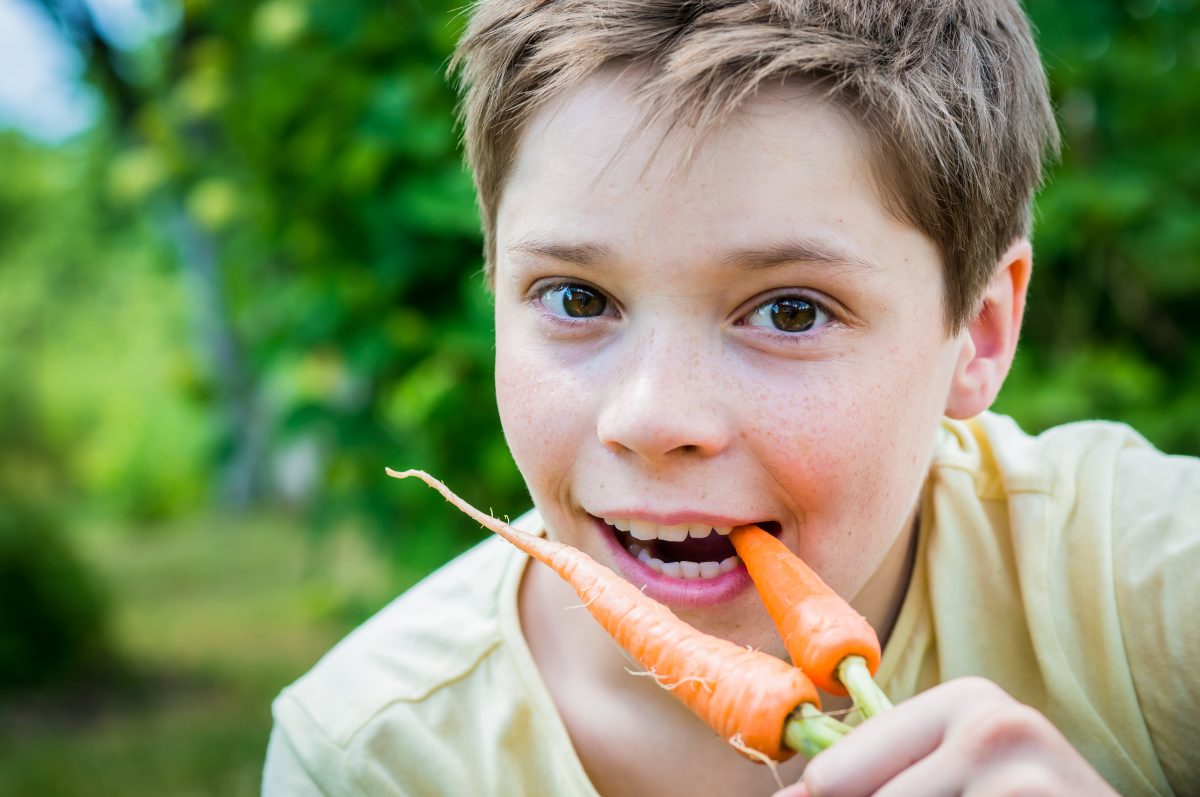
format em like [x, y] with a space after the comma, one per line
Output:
[736, 743]
[671, 686]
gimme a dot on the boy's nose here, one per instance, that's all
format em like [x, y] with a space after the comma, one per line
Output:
[665, 407]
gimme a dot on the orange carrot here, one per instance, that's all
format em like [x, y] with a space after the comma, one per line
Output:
[744, 695]
[819, 629]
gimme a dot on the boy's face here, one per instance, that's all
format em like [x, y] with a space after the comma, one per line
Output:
[753, 339]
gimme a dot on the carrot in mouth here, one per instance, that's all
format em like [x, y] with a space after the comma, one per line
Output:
[755, 701]
[835, 646]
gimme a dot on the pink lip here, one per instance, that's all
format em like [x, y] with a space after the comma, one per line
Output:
[692, 593]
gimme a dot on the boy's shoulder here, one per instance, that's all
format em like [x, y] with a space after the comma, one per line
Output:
[1083, 488]
[1062, 566]
[1072, 462]
[440, 670]
[427, 638]
[1093, 488]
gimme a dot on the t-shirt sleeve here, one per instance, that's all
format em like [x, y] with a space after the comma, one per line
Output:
[1157, 558]
[301, 760]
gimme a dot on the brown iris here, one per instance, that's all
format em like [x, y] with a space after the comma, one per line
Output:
[793, 315]
[580, 302]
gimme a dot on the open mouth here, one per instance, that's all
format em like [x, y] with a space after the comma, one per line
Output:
[685, 550]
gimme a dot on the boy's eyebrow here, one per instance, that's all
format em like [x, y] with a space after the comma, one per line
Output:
[584, 254]
[795, 250]
[792, 250]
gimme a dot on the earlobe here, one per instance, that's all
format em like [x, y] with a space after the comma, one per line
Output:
[989, 341]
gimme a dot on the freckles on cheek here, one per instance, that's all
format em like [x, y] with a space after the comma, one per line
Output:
[520, 391]
[835, 447]
[822, 422]
[543, 417]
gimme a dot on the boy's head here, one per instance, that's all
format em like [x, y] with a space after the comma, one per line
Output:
[728, 241]
[950, 93]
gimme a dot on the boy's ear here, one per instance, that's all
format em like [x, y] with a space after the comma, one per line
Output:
[989, 341]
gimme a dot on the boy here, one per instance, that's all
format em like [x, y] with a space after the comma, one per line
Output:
[767, 262]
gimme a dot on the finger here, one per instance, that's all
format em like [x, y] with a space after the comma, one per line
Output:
[1021, 777]
[891, 742]
[1008, 749]
[947, 771]
[795, 790]
[939, 774]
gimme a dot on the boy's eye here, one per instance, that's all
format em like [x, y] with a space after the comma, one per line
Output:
[788, 314]
[574, 301]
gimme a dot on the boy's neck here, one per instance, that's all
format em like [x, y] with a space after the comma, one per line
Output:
[882, 596]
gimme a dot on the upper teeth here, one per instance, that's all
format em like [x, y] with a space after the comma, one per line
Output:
[645, 530]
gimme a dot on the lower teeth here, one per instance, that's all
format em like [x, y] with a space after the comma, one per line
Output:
[684, 570]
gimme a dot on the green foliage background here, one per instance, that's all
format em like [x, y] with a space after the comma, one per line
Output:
[255, 282]
[1112, 326]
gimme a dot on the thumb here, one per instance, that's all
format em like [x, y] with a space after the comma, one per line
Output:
[795, 790]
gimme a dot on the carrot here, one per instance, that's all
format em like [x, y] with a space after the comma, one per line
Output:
[746, 696]
[820, 630]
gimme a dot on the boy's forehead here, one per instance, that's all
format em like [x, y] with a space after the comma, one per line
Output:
[601, 129]
[790, 167]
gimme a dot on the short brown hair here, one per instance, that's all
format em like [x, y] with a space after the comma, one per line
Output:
[952, 92]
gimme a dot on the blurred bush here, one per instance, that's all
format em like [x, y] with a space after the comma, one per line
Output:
[53, 614]
[103, 396]
[1111, 325]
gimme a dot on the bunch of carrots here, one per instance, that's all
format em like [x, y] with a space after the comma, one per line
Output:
[764, 707]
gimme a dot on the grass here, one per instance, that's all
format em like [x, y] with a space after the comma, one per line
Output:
[212, 616]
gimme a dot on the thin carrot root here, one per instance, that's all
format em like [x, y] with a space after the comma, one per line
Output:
[671, 686]
[583, 605]
[736, 743]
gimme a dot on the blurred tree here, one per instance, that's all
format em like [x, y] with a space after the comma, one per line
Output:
[94, 372]
[102, 399]
[302, 156]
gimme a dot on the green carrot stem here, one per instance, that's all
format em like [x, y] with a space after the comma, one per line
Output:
[868, 698]
[808, 731]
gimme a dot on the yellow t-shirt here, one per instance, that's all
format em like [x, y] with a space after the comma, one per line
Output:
[1063, 567]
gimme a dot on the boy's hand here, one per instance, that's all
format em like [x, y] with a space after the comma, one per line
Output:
[966, 737]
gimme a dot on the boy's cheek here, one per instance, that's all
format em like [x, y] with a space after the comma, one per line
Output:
[540, 412]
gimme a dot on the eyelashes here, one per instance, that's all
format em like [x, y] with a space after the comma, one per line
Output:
[791, 315]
